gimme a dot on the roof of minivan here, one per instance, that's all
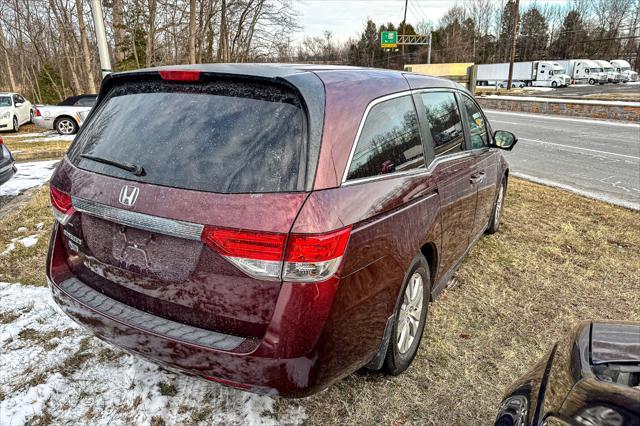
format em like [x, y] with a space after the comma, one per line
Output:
[275, 70]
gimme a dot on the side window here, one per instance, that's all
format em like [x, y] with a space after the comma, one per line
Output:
[86, 102]
[477, 125]
[15, 100]
[389, 141]
[444, 122]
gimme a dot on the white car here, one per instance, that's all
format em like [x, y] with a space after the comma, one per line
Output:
[15, 111]
[515, 83]
[66, 117]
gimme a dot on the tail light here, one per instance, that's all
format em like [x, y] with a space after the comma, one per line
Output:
[269, 256]
[180, 75]
[1, 140]
[61, 205]
[38, 113]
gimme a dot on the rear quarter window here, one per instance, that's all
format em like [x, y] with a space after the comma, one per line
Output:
[389, 141]
[224, 136]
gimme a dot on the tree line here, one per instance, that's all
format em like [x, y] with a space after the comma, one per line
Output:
[48, 51]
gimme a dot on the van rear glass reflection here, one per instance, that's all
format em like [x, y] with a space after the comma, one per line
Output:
[224, 136]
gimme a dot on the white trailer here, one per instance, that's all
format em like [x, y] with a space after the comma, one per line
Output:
[584, 71]
[624, 68]
[536, 73]
[613, 76]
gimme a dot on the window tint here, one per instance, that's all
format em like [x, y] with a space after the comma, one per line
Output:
[85, 102]
[389, 141]
[444, 122]
[477, 125]
[224, 136]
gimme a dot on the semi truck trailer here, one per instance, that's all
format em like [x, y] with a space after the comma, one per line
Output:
[536, 73]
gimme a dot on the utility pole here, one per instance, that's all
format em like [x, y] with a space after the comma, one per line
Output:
[516, 19]
[404, 23]
[101, 37]
[429, 51]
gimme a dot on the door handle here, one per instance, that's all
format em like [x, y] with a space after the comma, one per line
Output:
[477, 177]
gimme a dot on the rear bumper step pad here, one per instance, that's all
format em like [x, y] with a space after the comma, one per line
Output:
[147, 322]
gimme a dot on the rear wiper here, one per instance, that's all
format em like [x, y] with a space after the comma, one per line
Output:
[136, 169]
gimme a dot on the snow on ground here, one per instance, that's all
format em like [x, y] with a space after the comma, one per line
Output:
[54, 371]
[27, 242]
[39, 137]
[28, 175]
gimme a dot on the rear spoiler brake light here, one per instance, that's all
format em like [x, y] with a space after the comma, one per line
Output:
[179, 75]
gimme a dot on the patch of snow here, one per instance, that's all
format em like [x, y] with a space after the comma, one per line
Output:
[40, 226]
[10, 247]
[27, 135]
[21, 230]
[29, 175]
[50, 365]
[27, 242]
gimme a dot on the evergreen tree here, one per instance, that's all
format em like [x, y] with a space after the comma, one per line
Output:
[571, 37]
[506, 32]
[534, 35]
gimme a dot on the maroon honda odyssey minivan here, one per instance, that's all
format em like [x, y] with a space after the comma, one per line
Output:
[271, 227]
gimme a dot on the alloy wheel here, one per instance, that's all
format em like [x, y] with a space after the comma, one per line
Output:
[65, 127]
[410, 313]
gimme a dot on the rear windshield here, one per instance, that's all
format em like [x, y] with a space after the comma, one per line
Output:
[223, 136]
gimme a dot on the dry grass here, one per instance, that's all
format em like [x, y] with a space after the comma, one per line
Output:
[26, 264]
[558, 259]
[24, 150]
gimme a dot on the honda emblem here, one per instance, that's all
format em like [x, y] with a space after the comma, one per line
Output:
[128, 195]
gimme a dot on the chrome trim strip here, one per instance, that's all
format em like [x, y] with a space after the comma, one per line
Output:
[136, 318]
[161, 225]
[414, 172]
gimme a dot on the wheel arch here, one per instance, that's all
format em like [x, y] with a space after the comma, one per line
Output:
[430, 252]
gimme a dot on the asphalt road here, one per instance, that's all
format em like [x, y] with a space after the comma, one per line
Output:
[598, 159]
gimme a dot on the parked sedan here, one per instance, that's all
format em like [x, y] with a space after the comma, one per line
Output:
[66, 117]
[591, 378]
[288, 227]
[514, 83]
[15, 111]
[7, 164]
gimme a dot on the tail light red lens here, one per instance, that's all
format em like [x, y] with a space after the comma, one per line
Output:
[38, 113]
[262, 255]
[61, 204]
[1, 140]
[245, 244]
[317, 247]
[179, 75]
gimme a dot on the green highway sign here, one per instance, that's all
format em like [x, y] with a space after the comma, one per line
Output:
[389, 39]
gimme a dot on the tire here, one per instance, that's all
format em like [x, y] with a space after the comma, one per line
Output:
[16, 124]
[406, 333]
[496, 215]
[554, 84]
[66, 126]
[592, 81]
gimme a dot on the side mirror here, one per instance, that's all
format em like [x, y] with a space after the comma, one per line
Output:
[18, 104]
[504, 140]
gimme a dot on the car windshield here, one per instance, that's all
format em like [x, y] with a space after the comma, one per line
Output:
[5, 101]
[626, 68]
[222, 136]
[596, 69]
[559, 70]
[608, 69]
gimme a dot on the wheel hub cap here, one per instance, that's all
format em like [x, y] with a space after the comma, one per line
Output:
[410, 313]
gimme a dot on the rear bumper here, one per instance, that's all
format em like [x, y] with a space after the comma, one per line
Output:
[290, 360]
[44, 122]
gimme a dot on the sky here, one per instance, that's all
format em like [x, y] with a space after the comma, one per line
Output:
[346, 18]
